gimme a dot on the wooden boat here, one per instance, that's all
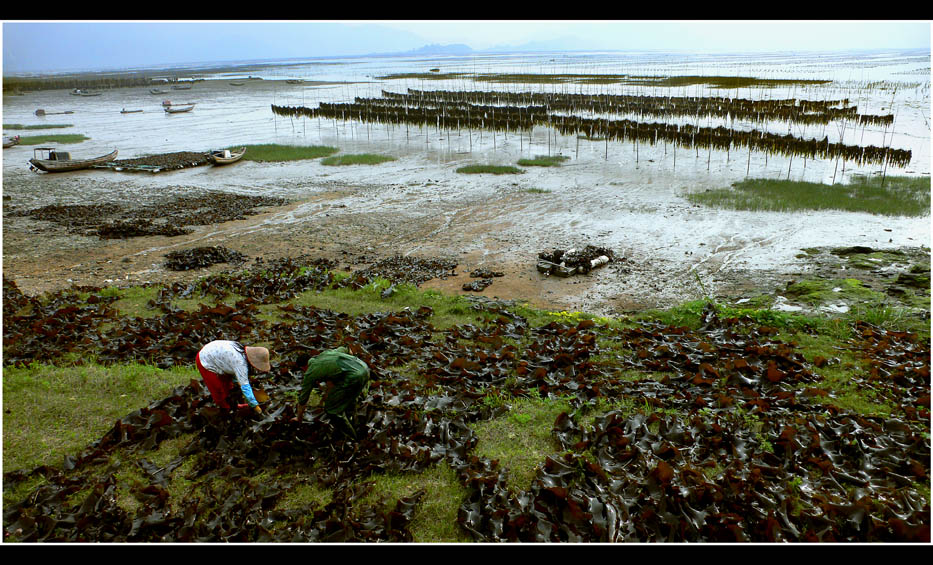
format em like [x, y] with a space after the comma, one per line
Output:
[51, 161]
[177, 110]
[79, 92]
[181, 87]
[294, 81]
[41, 112]
[125, 111]
[226, 156]
[237, 83]
[156, 91]
[10, 141]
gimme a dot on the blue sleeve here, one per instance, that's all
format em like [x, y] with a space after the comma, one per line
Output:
[248, 393]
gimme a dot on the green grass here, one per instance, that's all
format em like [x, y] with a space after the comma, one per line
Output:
[543, 161]
[38, 126]
[276, 153]
[435, 519]
[490, 169]
[358, 159]
[52, 411]
[44, 139]
[520, 439]
[900, 196]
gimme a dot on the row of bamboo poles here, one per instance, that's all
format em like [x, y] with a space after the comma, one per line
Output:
[797, 111]
[456, 114]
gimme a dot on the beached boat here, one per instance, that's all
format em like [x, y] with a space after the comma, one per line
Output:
[181, 87]
[125, 111]
[177, 109]
[156, 91]
[226, 156]
[10, 141]
[50, 160]
[41, 112]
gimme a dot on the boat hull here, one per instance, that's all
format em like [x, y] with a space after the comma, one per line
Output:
[217, 158]
[53, 166]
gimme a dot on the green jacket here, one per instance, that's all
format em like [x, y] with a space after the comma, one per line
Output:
[349, 374]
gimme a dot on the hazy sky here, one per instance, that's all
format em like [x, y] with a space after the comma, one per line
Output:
[31, 46]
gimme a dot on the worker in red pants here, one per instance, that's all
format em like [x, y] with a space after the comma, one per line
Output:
[224, 364]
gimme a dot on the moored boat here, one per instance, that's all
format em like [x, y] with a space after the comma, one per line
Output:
[237, 83]
[50, 160]
[177, 110]
[226, 156]
[79, 92]
[10, 141]
[125, 111]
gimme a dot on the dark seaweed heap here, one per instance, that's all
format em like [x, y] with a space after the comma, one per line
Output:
[403, 269]
[167, 161]
[741, 452]
[113, 221]
[200, 257]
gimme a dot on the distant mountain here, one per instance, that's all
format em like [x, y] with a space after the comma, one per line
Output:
[568, 43]
[437, 49]
[459, 49]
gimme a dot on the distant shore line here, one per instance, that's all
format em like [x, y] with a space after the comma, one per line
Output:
[103, 80]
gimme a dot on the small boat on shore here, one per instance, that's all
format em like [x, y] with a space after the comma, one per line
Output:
[226, 156]
[176, 109]
[125, 111]
[237, 83]
[157, 91]
[10, 141]
[41, 112]
[181, 87]
[50, 160]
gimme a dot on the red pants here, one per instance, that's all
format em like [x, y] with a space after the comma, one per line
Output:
[219, 386]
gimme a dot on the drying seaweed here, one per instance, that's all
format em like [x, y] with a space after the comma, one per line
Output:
[163, 162]
[201, 257]
[589, 116]
[732, 444]
[168, 217]
[403, 269]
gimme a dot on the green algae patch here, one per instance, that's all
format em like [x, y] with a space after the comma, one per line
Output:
[820, 291]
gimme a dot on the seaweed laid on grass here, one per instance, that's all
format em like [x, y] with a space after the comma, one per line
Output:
[738, 439]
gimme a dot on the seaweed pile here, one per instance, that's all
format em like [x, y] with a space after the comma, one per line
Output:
[733, 444]
[200, 257]
[114, 221]
[401, 269]
[485, 277]
[165, 161]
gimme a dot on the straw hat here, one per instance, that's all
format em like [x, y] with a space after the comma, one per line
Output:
[258, 357]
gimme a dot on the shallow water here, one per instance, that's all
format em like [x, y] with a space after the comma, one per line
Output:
[621, 195]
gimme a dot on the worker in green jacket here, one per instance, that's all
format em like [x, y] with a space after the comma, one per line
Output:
[347, 379]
